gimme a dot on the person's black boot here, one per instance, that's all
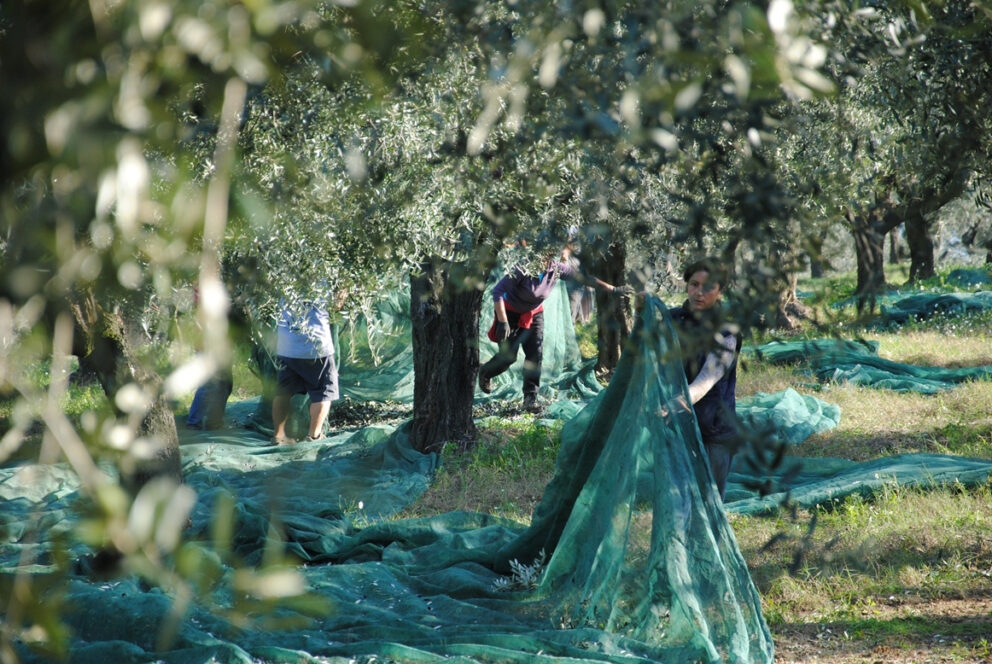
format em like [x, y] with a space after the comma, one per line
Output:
[531, 404]
[485, 384]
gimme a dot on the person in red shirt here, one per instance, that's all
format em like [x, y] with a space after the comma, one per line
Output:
[518, 302]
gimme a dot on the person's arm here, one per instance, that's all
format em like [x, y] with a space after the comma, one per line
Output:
[609, 288]
[500, 308]
[714, 367]
[569, 271]
[502, 329]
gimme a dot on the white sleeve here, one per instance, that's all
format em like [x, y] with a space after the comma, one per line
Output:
[716, 365]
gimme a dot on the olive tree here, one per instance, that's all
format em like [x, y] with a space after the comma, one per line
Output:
[394, 190]
[905, 133]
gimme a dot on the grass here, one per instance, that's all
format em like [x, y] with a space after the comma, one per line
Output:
[863, 554]
[908, 571]
[880, 422]
[504, 474]
[585, 335]
[84, 395]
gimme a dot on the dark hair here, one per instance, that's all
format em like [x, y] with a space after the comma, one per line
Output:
[717, 271]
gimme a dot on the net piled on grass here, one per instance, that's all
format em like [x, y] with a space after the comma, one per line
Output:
[786, 416]
[628, 579]
[969, 277]
[811, 481]
[858, 363]
[931, 305]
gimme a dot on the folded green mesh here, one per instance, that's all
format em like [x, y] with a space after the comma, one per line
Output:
[786, 416]
[931, 305]
[858, 362]
[811, 481]
[968, 277]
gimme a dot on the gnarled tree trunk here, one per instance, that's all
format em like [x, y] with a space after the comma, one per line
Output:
[920, 241]
[103, 346]
[869, 231]
[613, 320]
[815, 254]
[445, 327]
[790, 308]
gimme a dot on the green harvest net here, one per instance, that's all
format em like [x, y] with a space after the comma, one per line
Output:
[630, 577]
[969, 277]
[812, 481]
[858, 362]
[929, 305]
[641, 564]
[786, 416]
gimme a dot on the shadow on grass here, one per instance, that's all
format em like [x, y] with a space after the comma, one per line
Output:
[968, 633]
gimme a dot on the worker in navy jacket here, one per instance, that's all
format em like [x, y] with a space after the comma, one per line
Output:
[710, 348]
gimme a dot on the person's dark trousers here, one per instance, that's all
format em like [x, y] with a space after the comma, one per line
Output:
[720, 458]
[209, 403]
[532, 341]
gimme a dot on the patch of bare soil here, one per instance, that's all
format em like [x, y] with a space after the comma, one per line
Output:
[943, 631]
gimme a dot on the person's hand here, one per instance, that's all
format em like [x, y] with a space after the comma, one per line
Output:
[623, 291]
[673, 406]
[502, 331]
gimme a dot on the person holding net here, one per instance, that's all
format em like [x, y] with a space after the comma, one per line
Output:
[518, 302]
[710, 347]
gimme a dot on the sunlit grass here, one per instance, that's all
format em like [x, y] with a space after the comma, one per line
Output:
[585, 335]
[504, 474]
[869, 569]
[902, 547]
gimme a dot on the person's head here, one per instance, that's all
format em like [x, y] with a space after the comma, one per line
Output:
[704, 282]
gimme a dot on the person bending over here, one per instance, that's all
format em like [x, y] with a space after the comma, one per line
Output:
[518, 301]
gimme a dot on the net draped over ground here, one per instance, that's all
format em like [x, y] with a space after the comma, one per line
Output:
[628, 578]
[641, 564]
[858, 362]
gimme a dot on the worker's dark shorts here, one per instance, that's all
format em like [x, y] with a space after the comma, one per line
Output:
[317, 378]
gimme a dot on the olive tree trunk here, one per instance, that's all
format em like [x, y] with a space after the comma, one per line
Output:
[919, 237]
[868, 230]
[613, 321]
[445, 327]
[102, 344]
